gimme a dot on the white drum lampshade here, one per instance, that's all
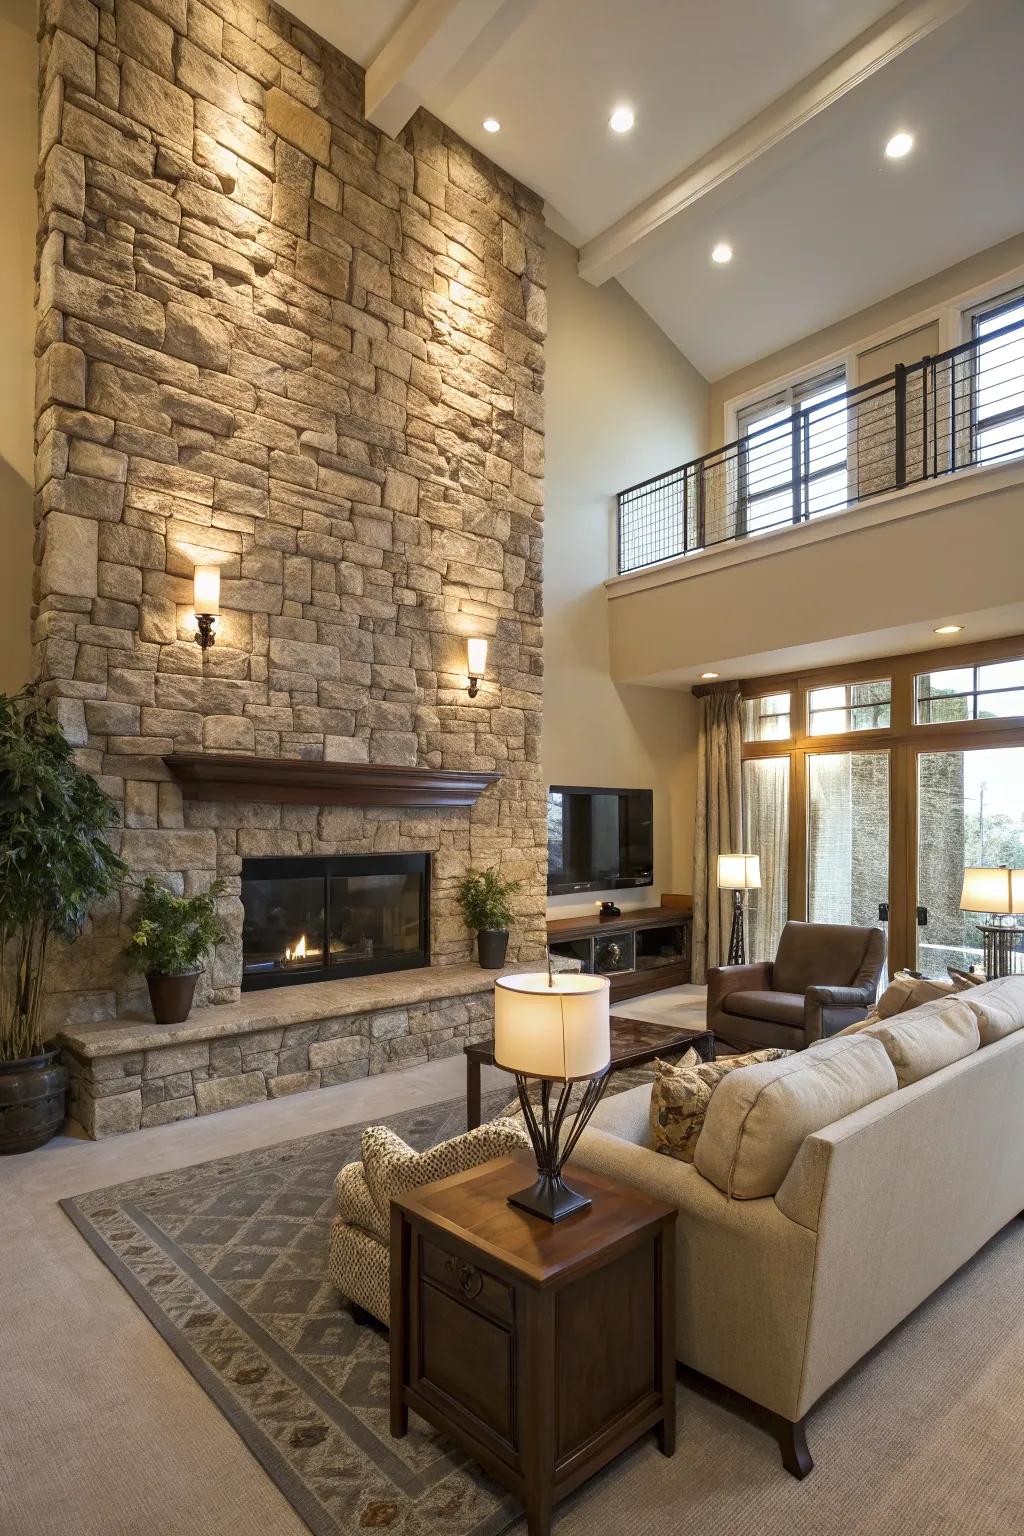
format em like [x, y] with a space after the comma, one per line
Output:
[739, 872]
[206, 589]
[555, 1028]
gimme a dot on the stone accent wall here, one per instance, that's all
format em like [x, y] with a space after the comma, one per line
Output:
[272, 337]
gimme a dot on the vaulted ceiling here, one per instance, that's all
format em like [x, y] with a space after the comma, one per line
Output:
[762, 126]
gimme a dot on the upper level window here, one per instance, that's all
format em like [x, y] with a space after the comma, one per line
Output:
[997, 379]
[793, 464]
[767, 718]
[849, 707]
[994, 691]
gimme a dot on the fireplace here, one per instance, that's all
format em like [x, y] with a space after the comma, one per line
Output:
[314, 919]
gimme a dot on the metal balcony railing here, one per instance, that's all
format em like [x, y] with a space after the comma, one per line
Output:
[932, 418]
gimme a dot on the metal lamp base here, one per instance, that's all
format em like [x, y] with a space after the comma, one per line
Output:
[551, 1198]
[1004, 955]
[736, 945]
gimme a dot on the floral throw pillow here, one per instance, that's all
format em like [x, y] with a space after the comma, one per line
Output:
[682, 1092]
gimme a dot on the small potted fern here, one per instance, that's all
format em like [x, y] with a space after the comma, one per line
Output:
[485, 901]
[171, 937]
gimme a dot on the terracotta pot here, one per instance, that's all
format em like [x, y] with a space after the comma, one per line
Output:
[32, 1095]
[171, 997]
[491, 944]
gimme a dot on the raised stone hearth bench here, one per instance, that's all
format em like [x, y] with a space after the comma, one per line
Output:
[132, 1074]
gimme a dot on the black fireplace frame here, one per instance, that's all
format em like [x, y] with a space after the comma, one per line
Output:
[305, 865]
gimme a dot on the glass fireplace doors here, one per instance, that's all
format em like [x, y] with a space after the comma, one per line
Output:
[310, 919]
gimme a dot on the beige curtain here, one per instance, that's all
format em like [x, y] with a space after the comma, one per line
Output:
[766, 833]
[717, 824]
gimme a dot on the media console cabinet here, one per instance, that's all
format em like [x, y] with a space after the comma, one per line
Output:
[642, 951]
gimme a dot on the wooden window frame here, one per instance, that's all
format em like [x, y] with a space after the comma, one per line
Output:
[904, 740]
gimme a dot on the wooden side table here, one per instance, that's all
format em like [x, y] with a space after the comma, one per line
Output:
[541, 1350]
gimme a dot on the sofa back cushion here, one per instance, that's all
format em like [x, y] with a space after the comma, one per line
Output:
[998, 1006]
[824, 954]
[759, 1116]
[681, 1093]
[927, 1038]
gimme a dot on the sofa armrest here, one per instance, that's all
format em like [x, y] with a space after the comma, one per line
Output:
[827, 1010]
[723, 979]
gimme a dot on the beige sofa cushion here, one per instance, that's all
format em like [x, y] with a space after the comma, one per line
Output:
[681, 1093]
[999, 1007]
[928, 1038]
[758, 1117]
[903, 993]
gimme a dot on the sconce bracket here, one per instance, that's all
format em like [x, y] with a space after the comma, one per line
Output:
[474, 687]
[205, 623]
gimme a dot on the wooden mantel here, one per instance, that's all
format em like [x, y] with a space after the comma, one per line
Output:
[299, 781]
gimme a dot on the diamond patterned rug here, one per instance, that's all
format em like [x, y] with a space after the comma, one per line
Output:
[228, 1261]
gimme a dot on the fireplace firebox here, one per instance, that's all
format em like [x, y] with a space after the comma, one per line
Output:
[314, 919]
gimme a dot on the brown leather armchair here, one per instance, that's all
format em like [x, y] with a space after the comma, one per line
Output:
[824, 976]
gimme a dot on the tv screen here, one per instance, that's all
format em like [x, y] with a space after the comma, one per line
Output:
[599, 839]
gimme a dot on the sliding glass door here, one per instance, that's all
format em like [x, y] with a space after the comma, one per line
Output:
[970, 812]
[847, 836]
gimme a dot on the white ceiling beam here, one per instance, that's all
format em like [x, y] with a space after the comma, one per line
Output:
[618, 247]
[426, 46]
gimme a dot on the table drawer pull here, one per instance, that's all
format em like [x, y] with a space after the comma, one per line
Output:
[466, 1276]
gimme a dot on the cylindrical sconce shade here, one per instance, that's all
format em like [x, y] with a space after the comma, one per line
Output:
[206, 589]
[558, 1030]
[998, 890]
[476, 656]
[739, 872]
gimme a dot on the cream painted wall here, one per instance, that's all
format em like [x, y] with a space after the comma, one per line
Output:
[621, 403]
[845, 335]
[17, 252]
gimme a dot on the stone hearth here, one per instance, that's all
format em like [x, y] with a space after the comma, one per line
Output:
[131, 1074]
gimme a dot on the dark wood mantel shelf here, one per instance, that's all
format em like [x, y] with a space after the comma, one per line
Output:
[300, 781]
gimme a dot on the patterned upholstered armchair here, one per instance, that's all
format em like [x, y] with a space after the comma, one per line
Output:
[359, 1262]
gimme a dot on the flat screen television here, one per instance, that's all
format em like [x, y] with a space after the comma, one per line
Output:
[599, 839]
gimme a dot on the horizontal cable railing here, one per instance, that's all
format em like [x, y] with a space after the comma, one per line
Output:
[962, 409]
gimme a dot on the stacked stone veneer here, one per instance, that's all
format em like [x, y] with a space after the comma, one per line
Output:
[272, 337]
[141, 1082]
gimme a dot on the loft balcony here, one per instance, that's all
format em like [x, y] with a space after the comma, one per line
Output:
[934, 418]
[865, 517]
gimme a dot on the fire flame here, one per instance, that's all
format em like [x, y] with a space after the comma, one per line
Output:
[299, 950]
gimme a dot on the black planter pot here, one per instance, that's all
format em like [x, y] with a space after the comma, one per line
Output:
[491, 944]
[32, 1095]
[171, 997]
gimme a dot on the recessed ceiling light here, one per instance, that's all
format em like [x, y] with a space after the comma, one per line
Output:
[948, 629]
[721, 253]
[899, 145]
[491, 125]
[707, 676]
[621, 120]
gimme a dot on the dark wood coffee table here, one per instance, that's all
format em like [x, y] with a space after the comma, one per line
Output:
[634, 1043]
[542, 1350]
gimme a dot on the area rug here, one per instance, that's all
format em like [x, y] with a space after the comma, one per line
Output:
[228, 1260]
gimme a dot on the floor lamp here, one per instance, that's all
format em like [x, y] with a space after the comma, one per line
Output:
[738, 872]
[999, 893]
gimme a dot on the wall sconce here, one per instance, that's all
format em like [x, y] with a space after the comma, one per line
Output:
[476, 662]
[206, 600]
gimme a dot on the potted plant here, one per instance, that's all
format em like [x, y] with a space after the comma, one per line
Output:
[483, 897]
[55, 862]
[171, 937]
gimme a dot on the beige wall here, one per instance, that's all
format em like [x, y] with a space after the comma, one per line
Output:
[845, 335]
[17, 248]
[621, 404]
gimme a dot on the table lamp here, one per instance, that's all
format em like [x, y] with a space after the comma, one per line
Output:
[554, 1028]
[738, 872]
[999, 892]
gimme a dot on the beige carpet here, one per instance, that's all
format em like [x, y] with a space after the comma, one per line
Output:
[104, 1433]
